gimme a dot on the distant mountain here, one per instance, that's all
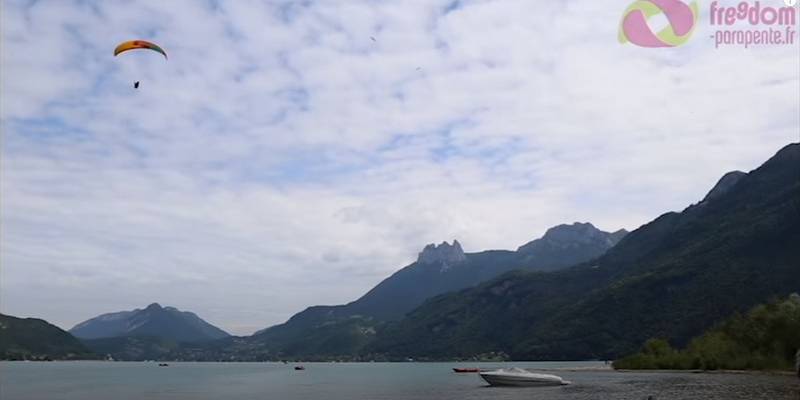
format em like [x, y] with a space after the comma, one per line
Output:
[35, 339]
[439, 269]
[446, 268]
[444, 254]
[672, 278]
[567, 245]
[154, 321]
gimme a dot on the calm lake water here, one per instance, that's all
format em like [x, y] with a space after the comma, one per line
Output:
[374, 381]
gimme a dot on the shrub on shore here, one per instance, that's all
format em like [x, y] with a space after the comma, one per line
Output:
[766, 338]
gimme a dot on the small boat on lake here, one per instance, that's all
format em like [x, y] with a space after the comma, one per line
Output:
[299, 368]
[163, 365]
[466, 370]
[520, 377]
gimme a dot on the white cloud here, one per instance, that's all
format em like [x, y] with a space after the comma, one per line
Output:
[282, 158]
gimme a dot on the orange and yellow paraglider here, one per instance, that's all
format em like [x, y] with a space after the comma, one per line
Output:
[138, 44]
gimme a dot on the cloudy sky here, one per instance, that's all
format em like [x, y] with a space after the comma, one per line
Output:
[281, 157]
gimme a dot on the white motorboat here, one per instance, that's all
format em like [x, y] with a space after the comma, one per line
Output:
[520, 377]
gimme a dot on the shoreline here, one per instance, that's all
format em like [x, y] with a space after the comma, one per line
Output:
[565, 369]
[713, 371]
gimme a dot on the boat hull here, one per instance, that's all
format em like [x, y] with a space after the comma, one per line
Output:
[510, 380]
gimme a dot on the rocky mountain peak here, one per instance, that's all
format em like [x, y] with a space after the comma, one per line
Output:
[579, 233]
[618, 235]
[445, 253]
[569, 233]
[573, 235]
[724, 184]
[154, 307]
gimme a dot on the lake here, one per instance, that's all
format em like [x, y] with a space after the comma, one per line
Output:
[88, 380]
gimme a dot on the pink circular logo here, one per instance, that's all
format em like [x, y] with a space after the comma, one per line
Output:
[682, 20]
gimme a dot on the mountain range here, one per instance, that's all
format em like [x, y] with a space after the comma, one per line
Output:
[445, 267]
[344, 329]
[157, 332]
[672, 278]
[575, 293]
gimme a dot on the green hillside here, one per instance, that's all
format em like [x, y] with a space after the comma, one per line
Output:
[35, 339]
[764, 338]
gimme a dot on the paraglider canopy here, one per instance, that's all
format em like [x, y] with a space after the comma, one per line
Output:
[139, 44]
